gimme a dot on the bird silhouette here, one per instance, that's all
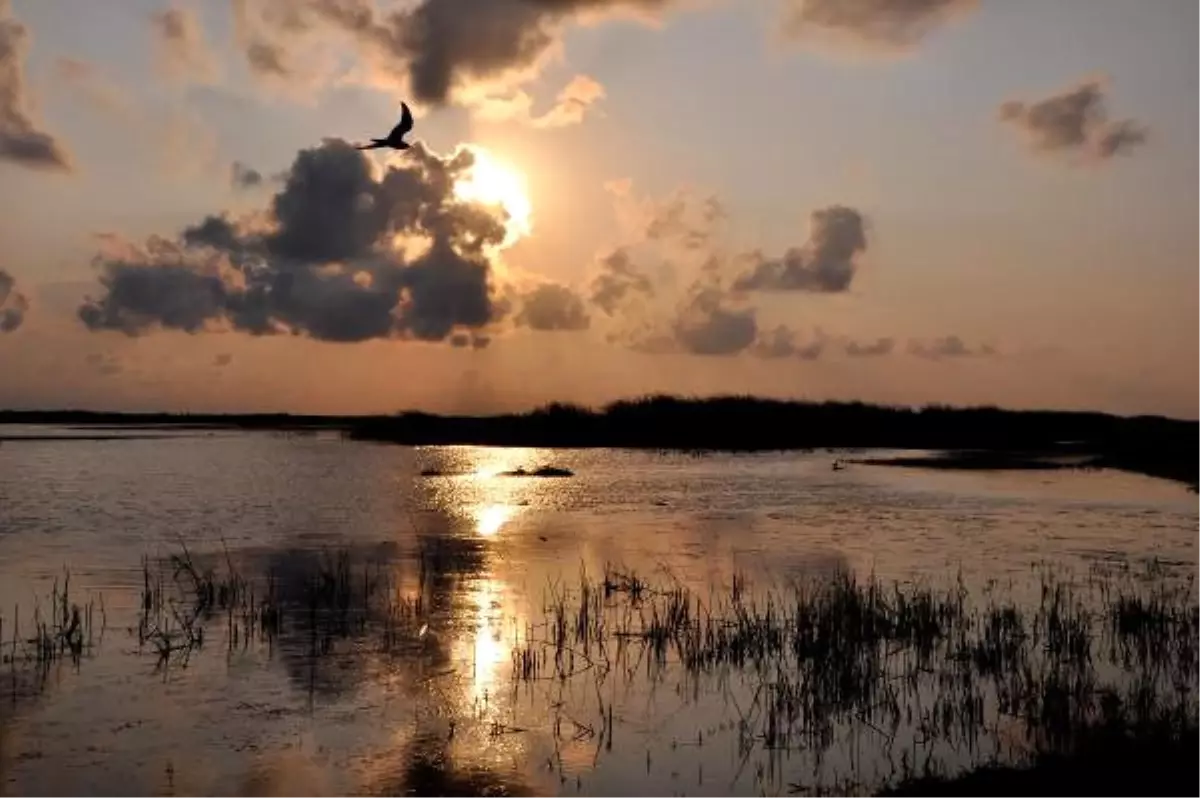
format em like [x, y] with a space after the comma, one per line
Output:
[395, 139]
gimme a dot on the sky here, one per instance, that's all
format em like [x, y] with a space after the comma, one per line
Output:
[902, 201]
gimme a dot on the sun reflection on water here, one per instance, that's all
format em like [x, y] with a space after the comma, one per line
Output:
[490, 646]
[489, 518]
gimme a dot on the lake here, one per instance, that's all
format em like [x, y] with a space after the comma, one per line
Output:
[336, 621]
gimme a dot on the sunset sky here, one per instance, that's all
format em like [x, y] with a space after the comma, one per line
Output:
[956, 201]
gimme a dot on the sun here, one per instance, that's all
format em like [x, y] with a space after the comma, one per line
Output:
[492, 182]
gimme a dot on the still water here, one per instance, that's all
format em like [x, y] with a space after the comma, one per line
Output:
[425, 695]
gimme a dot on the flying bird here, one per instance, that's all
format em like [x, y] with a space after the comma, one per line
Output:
[395, 139]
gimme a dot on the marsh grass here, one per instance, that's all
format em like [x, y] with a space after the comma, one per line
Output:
[840, 683]
[65, 632]
[928, 679]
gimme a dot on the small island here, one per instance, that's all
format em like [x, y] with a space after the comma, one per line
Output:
[544, 471]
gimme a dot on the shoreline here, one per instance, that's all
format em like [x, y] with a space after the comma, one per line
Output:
[979, 438]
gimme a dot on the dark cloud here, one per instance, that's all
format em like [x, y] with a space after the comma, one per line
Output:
[784, 342]
[222, 360]
[880, 25]
[1074, 121]
[266, 58]
[437, 46]
[553, 307]
[685, 219]
[712, 321]
[21, 141]
[714, 314]
[323, 261]
[708, 326]
[619, 278]
[243, 176]
[13, 304]
[217, 232]
[1119, 137]
[879, 348]
[949, 346]
[826, 264]
[183, 49]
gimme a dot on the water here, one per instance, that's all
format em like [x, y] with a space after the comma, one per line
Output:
[443, 712]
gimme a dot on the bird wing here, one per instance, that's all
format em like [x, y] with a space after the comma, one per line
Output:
[405, 125]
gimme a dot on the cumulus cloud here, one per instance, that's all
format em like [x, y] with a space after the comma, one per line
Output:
[783, 342]
[266, 58]
[1073, 121]
[618, 280]
[13, 304]
[243, 176]
[684, 219]
[877, 348]
[22, 141]
[825, 264]
[572, 103]
[949, 346]
[707, 325]
[701, 299]
[552, 307]
[570, 107]
[435, 48]
[882, 26]
[712, 321]
[183, 50]
[327, 258]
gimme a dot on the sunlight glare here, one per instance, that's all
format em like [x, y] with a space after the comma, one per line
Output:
[492, 182]
[489, 519]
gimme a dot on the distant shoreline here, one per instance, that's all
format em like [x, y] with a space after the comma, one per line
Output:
[973, 438]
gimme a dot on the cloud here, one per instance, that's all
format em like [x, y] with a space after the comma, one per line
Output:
[684, 219]
[183, 51]
[13, 304]
[572, 103]
[878, 348]
[437, 48]
[1073, 121]
[266, 58]
[618, 280]
[243, 176]
[784, 342]
[825, 264]
[712, 321]
[708, 326]
[889, 27]
[324, 260]
[222, 360]
[553, 307]
[22, 142]
[700, 303]
[949, 346]
[570, 107]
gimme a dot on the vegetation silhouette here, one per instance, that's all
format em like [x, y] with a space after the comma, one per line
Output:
[1153, 445]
